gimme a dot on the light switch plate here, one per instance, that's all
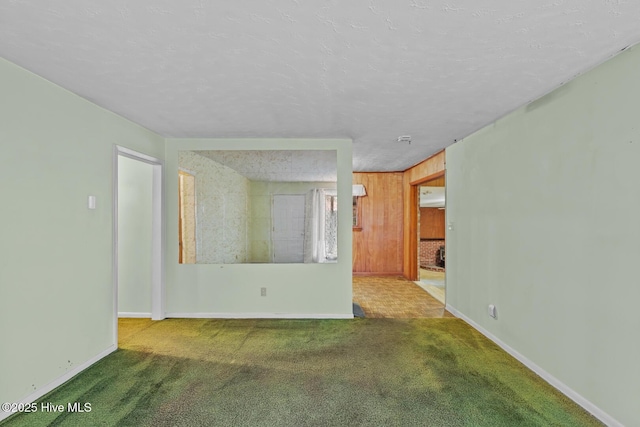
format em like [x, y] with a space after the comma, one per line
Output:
[492, 310]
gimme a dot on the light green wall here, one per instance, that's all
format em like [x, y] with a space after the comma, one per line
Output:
[135, 179]
[56, 288]
[545, 206]
[260, 224]
[222, 205]
[234, 289]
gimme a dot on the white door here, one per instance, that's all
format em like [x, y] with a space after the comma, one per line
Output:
[287, 230]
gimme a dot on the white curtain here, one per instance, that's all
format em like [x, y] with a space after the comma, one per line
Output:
[314, 240]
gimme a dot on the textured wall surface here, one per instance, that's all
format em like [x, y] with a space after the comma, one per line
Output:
[57, 258]
[279, 165]
[234, 290]
[222, 215]
[531, 234]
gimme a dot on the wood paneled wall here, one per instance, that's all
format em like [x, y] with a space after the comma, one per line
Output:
[437, 182]
[433, 167]
[431, 223]
[378, 247]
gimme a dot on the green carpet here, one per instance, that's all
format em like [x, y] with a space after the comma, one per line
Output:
[362, 372]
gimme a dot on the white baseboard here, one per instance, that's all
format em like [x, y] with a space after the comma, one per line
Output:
[259, 316]
[61, 380]
[562, 387]
[133, 314]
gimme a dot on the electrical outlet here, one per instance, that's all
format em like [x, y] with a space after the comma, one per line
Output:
[263, 292]
[492, 311]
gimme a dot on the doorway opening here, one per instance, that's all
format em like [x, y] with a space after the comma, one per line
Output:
[430, 243]
[138, 280]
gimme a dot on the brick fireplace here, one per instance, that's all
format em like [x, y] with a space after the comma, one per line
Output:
[429, 252]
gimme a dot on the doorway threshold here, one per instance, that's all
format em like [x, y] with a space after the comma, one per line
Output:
[435, 291]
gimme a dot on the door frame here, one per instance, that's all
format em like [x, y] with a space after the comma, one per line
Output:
[157, 233]
[414, 203]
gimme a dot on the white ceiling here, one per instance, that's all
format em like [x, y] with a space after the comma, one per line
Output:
[368, 70]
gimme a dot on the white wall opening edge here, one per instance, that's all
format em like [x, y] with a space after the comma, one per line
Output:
[157, 240]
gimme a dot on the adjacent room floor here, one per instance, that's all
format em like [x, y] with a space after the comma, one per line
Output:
[432, 282]
[395, 297]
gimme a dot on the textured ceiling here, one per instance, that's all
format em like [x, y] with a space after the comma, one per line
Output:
[279, 165]
[367, 70]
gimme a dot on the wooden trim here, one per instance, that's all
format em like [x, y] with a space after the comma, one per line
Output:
[413, 233]
[424, 171]
[427, 178]
[425, 160]
[414, 206]
[389, 172]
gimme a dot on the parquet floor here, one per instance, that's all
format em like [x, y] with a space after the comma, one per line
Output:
[395, 297]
